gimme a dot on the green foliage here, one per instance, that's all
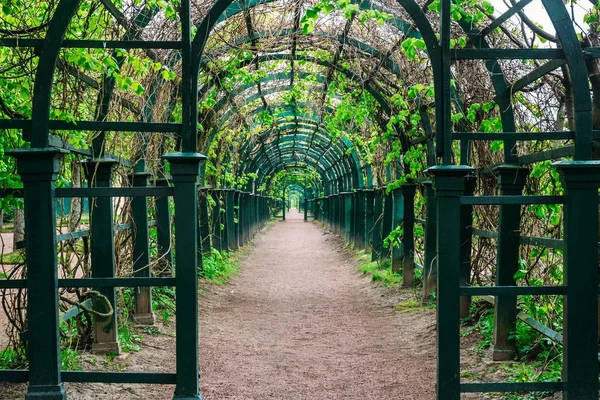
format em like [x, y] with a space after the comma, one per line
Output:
[218, 267]
[70, 360]
[381, 272]
[163, 302]
[128, 339]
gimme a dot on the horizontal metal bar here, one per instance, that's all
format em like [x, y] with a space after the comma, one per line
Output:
[498, 200]
[95, 44]
[159, 378]
[13, 284]
[14, 375]
[506, 54]
[526, 240]
[95, 282]
[17, 193]
[150, 191]
[96, 126]
[511, 290]
[562, 135]
[115, 126]
[72, 235]
[122, 44]
[115, 282]
[505, 387]
[15, 123]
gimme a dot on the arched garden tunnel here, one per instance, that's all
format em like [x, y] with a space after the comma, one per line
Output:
[455, 141]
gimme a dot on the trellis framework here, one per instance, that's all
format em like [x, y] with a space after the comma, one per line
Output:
[298, 140]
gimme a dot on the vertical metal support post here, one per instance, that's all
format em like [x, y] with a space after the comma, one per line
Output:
[39, 169]
[317, 210]
[185, 169]
[99, 174]
[397, 220]
[580, 344]
[352, 233]
[377, 246]
[466, 240]
[225, 233]
[216, 219]
[430, 267]
[348, 217]
[511, 180]
[163, 227]
[450, 183]
[305, 209]
[283, 205]
[408, 240]
[230, 215]
[245, 217]
[369, 218]
[203, 222]
[386, 223]
[360, 219]
[238, 225]
[141, 252]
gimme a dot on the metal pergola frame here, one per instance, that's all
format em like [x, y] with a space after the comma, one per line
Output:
[349, 204]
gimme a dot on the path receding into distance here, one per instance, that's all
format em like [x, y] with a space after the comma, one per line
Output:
[300, 322]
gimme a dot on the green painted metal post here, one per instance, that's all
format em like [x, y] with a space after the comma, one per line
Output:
[408, 240]
[430, 267]
[327, 211]
[225, 233]
[352, 211]
[386, 223]
[369, 219]
[204, 244]
[348, 217]
[397, 220]
[216, 219]
[238, 224]
[511, 180]
[341, 214]
[185, 169]
[141, 252]
[450, 182]
[317, 212]
[230, 217]
[99, 174]
[466, 241]
[245, 217]
[305, 209]
[253, 226]
[377, 247]
[580, 344]
[283, 205]
[39, 170]
[360, 219]
[163, 228]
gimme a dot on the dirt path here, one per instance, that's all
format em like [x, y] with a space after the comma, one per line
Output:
[298, 322]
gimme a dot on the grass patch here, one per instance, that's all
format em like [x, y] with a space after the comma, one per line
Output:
[381, 272]
[409, 305]
[218, 267]
[16, 257]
